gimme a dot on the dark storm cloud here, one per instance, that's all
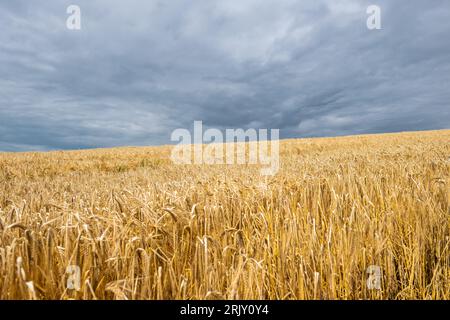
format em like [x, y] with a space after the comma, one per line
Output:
[137, 70]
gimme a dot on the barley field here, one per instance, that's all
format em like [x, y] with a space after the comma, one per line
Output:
[140, 227]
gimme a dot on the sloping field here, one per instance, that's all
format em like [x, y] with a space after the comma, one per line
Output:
[139, 227]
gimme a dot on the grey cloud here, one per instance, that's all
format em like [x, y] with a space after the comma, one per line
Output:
[137, 70]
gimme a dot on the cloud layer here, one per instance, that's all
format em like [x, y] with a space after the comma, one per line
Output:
[136, 71]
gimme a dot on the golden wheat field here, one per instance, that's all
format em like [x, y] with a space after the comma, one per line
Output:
[140, 227]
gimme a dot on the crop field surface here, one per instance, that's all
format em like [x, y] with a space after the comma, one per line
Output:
[140, 227]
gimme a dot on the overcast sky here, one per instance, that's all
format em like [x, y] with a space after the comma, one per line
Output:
[137, 70]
